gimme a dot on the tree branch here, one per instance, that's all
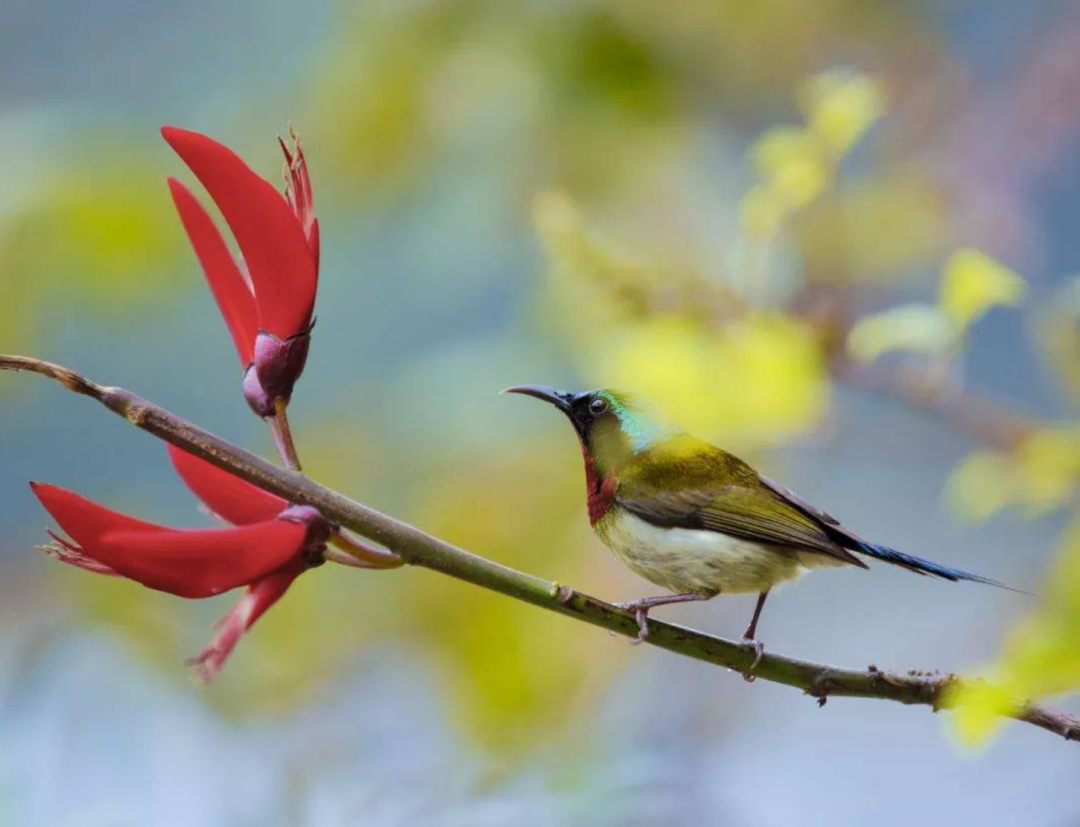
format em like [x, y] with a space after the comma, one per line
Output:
[414, 546]
[978, 417]
[923, 390]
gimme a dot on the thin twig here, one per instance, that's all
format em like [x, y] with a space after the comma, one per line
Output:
[361, 555]
[414, 546]
[831, 316]
[966, 411]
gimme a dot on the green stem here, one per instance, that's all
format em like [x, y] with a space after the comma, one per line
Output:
[414, 546]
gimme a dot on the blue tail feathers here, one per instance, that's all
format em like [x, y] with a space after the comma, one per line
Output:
[927, 567]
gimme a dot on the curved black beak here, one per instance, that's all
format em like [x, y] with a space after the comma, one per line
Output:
[560, 399]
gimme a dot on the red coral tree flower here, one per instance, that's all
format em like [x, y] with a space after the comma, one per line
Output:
[268, 299]
[270, 544]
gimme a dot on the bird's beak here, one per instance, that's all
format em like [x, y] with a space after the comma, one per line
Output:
[560, 399]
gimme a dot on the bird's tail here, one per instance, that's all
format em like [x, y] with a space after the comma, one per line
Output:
[927, 567]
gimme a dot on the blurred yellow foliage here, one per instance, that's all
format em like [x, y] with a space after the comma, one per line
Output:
[601, 285]
[100, 230]
[978, 707]
[796, 165]
[593, 285]
[103, 235]
[1041, 656]
[600, 96]
[1039, 476]
[752, 380]
[876, 229]
[1058, 331]
[757, 380]
[512, 670]
[761, 212]
[569, 94]
[840, 107]
[791, 164]
[909, 327]
[971, 284]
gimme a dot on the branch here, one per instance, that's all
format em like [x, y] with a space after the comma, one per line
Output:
[414, 546]
[925, 391]
[978, 417]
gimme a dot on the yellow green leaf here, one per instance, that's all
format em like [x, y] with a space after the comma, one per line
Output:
[1050, 467]
[840, 107]
[978, 707]
[1041, 655]
[910, 327]
[1058, 331]
[790, 162]
[981, 485]
[1040, 475]
[972, 283]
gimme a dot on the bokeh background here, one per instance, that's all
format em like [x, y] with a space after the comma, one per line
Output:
[694, 199]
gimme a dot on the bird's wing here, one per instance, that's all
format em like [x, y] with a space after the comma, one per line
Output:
[833, 527]
[758, 514]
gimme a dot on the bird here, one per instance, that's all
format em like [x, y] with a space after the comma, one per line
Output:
[696, 520]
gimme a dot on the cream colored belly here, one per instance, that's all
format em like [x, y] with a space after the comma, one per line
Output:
[688, 560]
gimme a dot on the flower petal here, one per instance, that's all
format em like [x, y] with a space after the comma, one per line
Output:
[186, 563]
[83, 520]
[241, 617]
[231, 290]
[201, 563]
[272, 240]
[230, 498]
[313, 240]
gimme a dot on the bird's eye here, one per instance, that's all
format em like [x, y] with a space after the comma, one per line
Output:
[597, 406]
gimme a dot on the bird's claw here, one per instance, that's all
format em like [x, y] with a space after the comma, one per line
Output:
[759, 652]
[641, 615]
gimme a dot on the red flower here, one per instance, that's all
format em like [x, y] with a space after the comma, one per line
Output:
[268, 300]
[229, 498]
[271, 546]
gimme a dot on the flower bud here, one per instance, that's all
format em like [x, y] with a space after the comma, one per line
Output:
[279, 364]
[257, 398]
[319, 530]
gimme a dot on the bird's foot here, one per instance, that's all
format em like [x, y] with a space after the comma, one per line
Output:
[641, 614]
[641, 607]
[759, 651]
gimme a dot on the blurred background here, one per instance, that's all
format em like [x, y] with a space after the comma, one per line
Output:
[838, 238]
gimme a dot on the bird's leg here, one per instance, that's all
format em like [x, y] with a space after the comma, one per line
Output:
[641, 608]
[749, 635]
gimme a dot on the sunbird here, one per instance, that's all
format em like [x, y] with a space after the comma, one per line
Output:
[698, 521]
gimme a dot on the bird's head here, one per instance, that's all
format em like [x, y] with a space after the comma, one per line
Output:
[610, 428]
